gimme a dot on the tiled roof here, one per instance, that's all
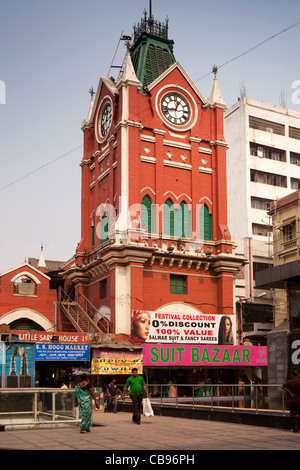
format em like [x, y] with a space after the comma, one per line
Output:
[50, 264]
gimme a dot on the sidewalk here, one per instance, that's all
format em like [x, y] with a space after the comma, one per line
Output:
[115, 432]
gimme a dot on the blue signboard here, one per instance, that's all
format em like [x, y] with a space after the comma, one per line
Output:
[62, 352]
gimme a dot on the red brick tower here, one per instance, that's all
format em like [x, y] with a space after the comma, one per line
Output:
[154, 232]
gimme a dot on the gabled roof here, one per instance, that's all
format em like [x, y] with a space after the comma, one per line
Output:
[186, 76]
[110, 85]
[28, 267]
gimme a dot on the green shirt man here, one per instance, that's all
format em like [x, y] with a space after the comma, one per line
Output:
[136, 384]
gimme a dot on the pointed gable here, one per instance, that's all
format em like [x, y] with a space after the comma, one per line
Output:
[177, 66]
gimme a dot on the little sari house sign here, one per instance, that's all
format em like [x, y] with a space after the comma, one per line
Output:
[187, 355]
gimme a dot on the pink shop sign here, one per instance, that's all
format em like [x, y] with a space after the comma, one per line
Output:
[188, 355]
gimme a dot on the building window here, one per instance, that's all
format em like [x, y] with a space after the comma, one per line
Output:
[295, 158]
[267, 152]
[261, 230]
[185, 221]
[24, 286]
[289, 231]
[205, 223]
[294, 133]
[266, 126]
[260, 203]
[103, 289]
[268, 178]
[178, 284]
[295, 184]
[148, 215]
[169, 218]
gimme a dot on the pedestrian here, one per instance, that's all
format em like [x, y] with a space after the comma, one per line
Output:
[84, 393]
[136, 384]
[292, 387]
[113, 391]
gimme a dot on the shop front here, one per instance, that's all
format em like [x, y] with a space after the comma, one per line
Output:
[186, 370]
[58, 357]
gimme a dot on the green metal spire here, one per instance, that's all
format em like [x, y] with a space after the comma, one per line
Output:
[152, 51]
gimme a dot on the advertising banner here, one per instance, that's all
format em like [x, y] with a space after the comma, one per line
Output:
[110, 363]
[188, 328]
[20, 363]
[62, 352]
[187, 355]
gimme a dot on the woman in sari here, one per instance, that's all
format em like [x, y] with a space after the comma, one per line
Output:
[84, 393]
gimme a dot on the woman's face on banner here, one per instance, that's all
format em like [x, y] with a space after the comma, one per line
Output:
[141, 326]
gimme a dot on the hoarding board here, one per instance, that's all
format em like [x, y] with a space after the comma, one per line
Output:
[187, 355]
[115, 363]
[188, 328]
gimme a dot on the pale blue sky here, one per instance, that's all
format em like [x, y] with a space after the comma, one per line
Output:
[52, 52]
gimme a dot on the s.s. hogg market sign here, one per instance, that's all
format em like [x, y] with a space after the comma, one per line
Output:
[188, 355]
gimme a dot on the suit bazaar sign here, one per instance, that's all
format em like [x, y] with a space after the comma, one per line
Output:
[189, 328]
[187, 355]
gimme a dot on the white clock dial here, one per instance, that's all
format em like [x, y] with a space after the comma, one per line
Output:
[106, 119]
[176, 108]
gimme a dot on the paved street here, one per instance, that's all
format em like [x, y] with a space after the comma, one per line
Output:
[116, 432]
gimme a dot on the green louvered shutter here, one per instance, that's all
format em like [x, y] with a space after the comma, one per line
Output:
[186, 220]
[169, 218]
[146, 214]
[205, 223]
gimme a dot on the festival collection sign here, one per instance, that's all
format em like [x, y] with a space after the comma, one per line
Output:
[188, 328]
[110, 363]
[187, 355]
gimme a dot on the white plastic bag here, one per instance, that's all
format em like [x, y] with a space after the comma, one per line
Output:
[147, 408]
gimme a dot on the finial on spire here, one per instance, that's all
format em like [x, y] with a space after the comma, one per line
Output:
[91, 92]
[215, 70]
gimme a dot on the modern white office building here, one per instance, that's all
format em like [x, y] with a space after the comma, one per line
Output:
[263, 165]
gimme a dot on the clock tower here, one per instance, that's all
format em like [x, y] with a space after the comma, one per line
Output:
[154, 233]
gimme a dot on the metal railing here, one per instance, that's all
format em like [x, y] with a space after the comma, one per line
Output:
[37, 407]
[51, 407]
[262, 398]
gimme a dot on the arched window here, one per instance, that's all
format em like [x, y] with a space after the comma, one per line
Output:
[205, 223]
[185, 220]
[147, 215]
[169, 218]
[24, 285]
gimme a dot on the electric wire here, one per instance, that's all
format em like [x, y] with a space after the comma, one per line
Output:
[251, 49]
[201, 78]
[40, 168]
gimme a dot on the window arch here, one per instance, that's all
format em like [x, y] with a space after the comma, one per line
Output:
[169, 218]
[24, 285]
[185, 220]
[147, 215]
[205, 223]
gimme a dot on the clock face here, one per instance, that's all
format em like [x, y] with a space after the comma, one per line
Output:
[176, 108]
[106, 119]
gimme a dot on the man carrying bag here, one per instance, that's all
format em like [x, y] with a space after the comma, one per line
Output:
[136, 384]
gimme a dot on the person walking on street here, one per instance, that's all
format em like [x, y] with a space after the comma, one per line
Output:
[84, 393]
[113, 391]
[136, 384]
[292, 386]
